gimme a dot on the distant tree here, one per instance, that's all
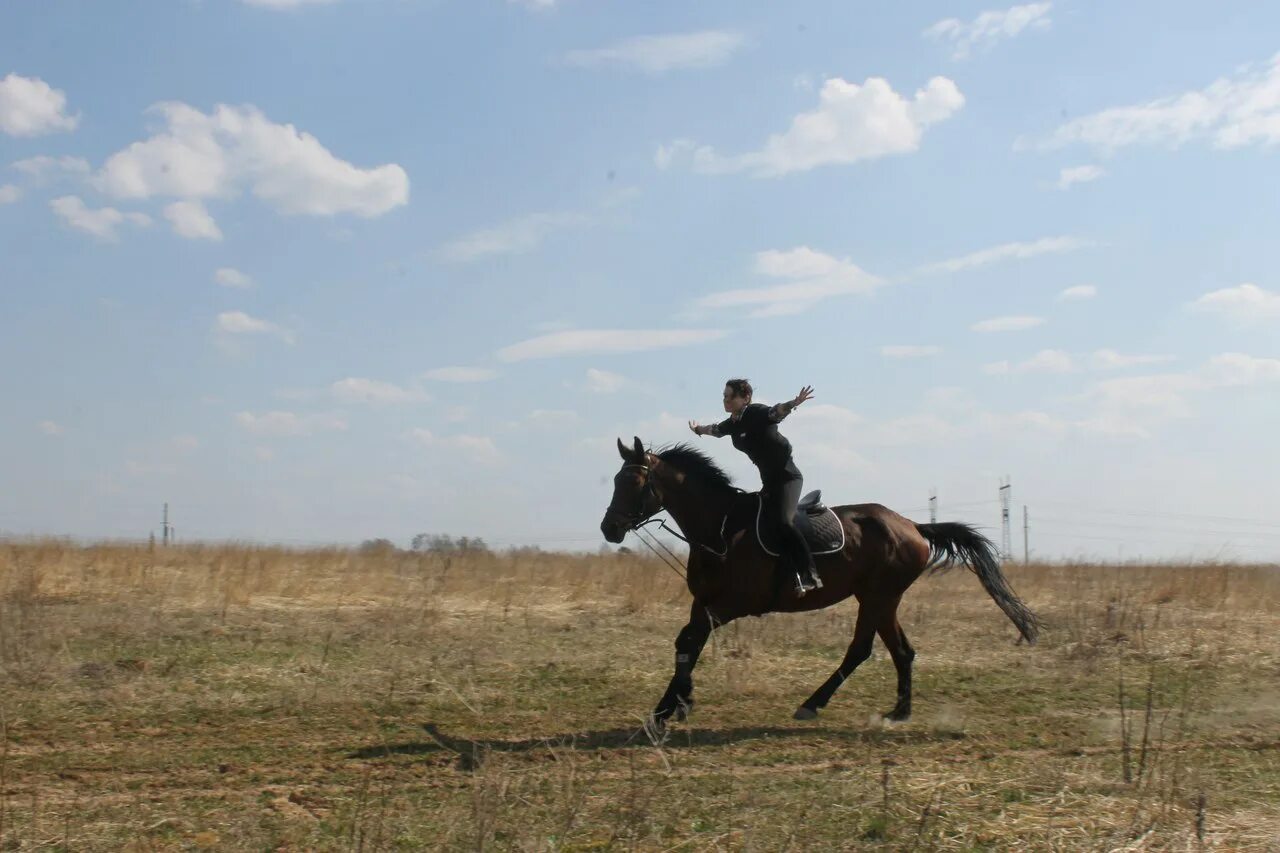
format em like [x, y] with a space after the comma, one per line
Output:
[435, 543]
[377, 546]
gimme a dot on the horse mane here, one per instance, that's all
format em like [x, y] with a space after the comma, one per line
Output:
[696, 464]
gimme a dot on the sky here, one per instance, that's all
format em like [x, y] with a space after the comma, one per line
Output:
[317, 271]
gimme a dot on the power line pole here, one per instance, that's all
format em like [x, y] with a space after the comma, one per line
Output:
[933, 506]
[1026, 548]
[1006, 544]
[165, 530]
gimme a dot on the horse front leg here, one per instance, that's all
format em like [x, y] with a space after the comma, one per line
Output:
[678, 700]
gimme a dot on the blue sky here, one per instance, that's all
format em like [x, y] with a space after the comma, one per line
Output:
[323, 271]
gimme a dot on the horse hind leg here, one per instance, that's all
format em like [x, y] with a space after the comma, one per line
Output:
[864, 634]
[903, 654]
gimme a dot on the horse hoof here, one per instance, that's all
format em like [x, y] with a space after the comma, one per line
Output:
[803, 713]
[897, 716]
[682, 711]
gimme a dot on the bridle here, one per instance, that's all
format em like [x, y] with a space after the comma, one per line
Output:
[632, 520]
[636, 521]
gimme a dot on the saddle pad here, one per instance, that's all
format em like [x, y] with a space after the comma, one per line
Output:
[823, 531]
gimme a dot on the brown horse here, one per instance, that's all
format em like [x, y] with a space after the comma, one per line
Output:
[730, 575]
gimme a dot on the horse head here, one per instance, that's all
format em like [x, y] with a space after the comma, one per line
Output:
[634, 497]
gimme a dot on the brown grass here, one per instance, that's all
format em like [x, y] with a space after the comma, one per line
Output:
[260, 698]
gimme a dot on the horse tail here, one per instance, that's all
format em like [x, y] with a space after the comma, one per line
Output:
[951, 541]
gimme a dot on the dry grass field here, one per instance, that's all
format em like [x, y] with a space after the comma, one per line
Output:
[264, 699]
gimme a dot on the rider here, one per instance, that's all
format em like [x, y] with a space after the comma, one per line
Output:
[754, 428]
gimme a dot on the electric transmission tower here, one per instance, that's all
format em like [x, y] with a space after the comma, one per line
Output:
[1006, 538]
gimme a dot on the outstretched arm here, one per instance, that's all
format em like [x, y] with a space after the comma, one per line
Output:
[712, 430]
[781, 410]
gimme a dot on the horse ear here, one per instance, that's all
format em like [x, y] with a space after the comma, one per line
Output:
[639, 449]
[622, 451]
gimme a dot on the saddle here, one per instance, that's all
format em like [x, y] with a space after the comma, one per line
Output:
[817, 524]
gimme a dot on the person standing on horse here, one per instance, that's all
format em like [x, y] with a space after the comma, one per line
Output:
[754, 429]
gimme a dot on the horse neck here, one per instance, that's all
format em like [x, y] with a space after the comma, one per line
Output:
[697, 508]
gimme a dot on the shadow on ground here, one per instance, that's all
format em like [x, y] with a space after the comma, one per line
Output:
[470, 752]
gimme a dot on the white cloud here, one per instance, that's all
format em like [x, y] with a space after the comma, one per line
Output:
[552, 418]
[1007, 324]
[1231, 112]
[1079, 291]
[811, 277]
[1078, 175]
[9, 193]
[604, 382]
[42, 168]
[31, 107]
[1243, 303]
[1231, 369]
[658, 54]
[101, 223]
[1005, 251]
[852, 122]
[51, 428]
[1045, 361]
[355, 390]
[1109, 359]
[231, 277]
[199, 156]
[541, 5]
[288, 423]
[190, 219]
[909, 351]
[475, 448]
[461, 374]
[589, 341]
[989, 27]
[240, 323]
[511, 238]
[1168, 394]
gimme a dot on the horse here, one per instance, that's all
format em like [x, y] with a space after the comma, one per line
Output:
[730, 574]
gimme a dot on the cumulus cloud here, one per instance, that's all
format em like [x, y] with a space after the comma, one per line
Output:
[1007, 324]
[232, 149]
[1231, 112]
[909, 351]
[510, 238]
[1078, 175]
[9, 193]
[43, 168]
[288, 423]
[1109, 359]
[1244, 303]
[1007, 251]
[659, 54]
[1045, 361]
[461, 374]
[1077, 292]
[593, 341]
[989, 28]
[240, 323]
[808, 278]
[474, 448]
[1170, 394]
[852, 122]
[356, 390]
[604, 382]
[231, 277]
[31, 107]
[101, 223]
[190, 219]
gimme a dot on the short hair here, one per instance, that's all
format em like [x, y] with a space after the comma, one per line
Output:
[739, 387]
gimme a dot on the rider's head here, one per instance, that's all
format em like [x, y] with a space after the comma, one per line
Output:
[737, 394]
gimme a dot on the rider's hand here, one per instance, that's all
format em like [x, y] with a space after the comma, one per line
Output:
[693, 425]
[806, 393]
